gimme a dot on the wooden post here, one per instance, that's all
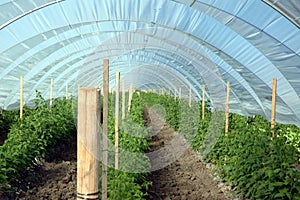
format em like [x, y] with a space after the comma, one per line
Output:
[123, 100]
[190, 97]
[203, 102]
[273, 114]
[105, 128]
[179, 95]
[175, 94]
[117, 108]
[21, 96]
[130, 97]
[227, 108]
[88, 142]
[67, 91]
[51, 93]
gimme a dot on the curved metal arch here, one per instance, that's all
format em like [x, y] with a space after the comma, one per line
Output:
[227, 55]
[94, 63]
[235, 16]
[31, 74]
[253, 94]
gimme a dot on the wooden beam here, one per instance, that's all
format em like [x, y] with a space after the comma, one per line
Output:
[273, 114]
[227, 108]
[88, 142]
[117, 108]
[105, 128]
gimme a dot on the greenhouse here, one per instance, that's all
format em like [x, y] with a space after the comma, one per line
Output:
[150, 99]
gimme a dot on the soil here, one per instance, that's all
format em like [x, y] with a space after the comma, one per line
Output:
[177, 171]
[3, 137]
[53, 178]
[184, 175]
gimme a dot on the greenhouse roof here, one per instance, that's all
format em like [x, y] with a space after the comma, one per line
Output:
[154, 44]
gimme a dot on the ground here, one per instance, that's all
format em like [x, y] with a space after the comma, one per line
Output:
[185, 176]
[177, 171]
[53, 178]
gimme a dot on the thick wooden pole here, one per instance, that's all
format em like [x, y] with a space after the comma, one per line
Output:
[51, 92]
[88, 142]
[123, 100]
[190, 97]
[21, 96]
[273, 114]
[117, 108]
[105, 128]
[227, 108]
[67, 91]
[203, 102]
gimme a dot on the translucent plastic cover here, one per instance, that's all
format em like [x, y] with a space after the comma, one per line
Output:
[154, 44]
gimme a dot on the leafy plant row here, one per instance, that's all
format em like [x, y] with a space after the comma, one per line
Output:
[248, 160]
[7, 117]
[39, 130]
[128, 182]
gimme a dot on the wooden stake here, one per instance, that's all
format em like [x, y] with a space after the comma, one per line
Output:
[179, 96]
[203, 102]
[67, 91]
[175, 94]
[273, 114]
[105, 128]
[51, 93]
[21, 96]
[123, 100]
[117, 108]
[190, 97]
[227, 108]
[130, 97]
[88, 142]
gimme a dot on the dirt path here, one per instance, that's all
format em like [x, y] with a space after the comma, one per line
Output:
[184, 175]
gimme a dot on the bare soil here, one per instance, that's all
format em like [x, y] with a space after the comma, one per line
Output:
[183, 178]
[183, 175]
[53, 178]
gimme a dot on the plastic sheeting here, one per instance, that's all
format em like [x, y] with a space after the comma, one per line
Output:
[154, 44]
[290, 9]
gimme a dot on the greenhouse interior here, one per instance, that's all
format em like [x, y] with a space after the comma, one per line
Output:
[150, 99]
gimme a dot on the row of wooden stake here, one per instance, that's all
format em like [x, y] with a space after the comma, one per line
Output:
[88, 129]
[50, 97]
[227, 103]
[88, 186]
[273, 112]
